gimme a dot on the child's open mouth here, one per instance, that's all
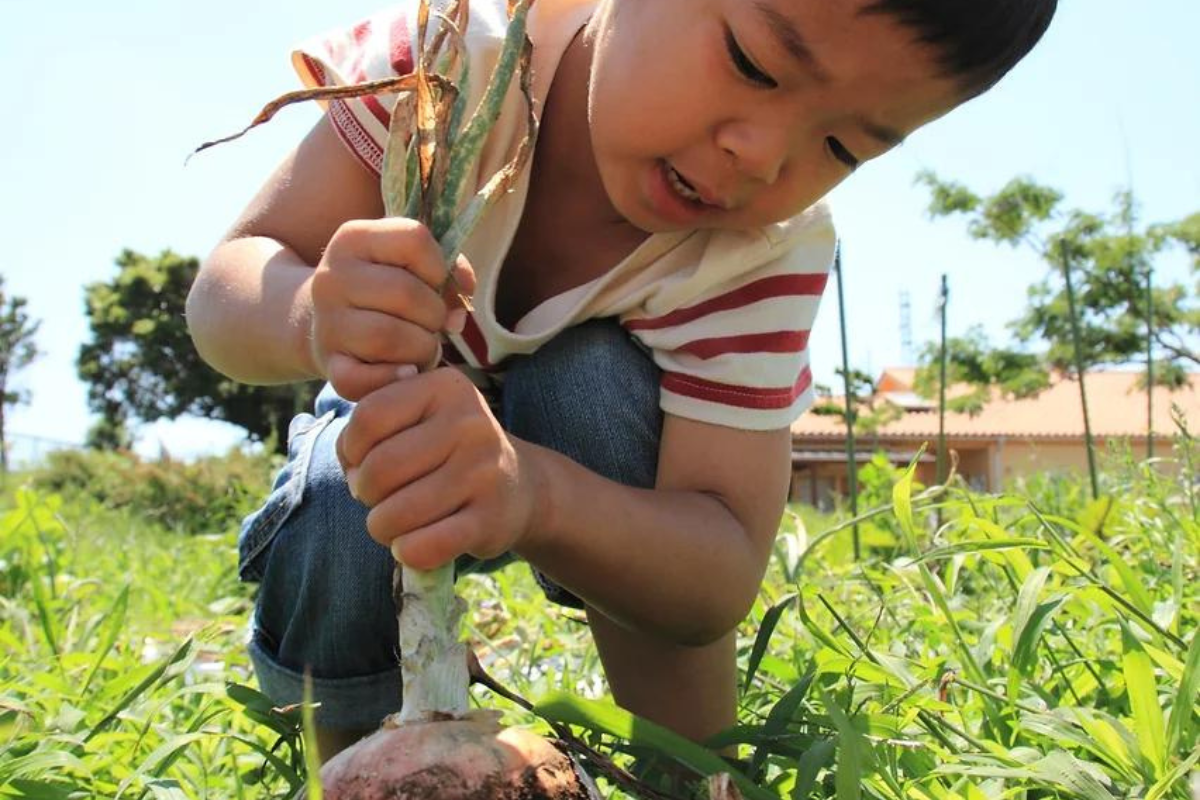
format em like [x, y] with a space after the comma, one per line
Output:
[682, 186]
[676, 199]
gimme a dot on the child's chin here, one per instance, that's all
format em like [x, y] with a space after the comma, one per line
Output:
[648, 222]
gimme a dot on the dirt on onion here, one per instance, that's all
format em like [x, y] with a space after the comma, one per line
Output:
[456, 759]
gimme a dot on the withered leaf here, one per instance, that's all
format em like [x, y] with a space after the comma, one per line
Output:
[399, 83]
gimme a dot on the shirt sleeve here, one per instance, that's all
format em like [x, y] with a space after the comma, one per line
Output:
[737, 354]
[377, 47]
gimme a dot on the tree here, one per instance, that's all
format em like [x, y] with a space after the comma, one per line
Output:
[141, 365]
[867, 411]
[17, 351]
[973, 362]
[1109, 257]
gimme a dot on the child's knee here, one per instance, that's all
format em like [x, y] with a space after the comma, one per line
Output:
[592, 394]
[325, 596]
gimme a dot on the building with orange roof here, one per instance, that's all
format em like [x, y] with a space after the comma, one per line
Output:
[1008, 438]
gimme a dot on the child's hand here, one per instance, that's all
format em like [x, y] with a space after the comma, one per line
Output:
[441, 476]
[380, 300]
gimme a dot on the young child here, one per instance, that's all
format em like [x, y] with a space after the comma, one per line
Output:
[616, 409]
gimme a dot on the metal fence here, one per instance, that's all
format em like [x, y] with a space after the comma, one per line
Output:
[26, 451]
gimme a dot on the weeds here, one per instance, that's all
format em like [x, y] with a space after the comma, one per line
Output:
[1036, 644]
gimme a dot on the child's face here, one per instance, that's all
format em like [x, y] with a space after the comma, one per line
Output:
[761, 106]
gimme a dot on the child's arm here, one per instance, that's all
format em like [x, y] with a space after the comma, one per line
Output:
[684, 560]
[293, 292]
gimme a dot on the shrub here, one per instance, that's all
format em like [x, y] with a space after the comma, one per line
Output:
[207, 495]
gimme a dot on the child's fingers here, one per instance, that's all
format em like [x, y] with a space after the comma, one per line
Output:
[397, 242]
[412, 452]
[354, 379]
[396, 292]
[431, 546]
[380, 415]
[376, 337]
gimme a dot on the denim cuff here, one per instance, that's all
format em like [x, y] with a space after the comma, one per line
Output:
[361, 702]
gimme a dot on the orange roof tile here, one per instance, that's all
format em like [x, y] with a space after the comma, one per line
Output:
[1116, 405]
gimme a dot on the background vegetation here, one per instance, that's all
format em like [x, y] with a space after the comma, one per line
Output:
[1037, 644]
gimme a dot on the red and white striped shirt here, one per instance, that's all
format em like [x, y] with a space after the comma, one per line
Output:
[726, 314]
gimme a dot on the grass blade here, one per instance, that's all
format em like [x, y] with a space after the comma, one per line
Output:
[853, 752]
[312, 762]
[770, 620]
[1181, 731]
[607, 718]
[116, 623]
[166, 790]
[258, 707]
[46, 790]
[39, 762]
[1143, 701]
[1169, 781]
[49, 625]
[1059, 770]
[1129, 579]
[777, 721]
[165, 752]
[902, 504]
[976, 546]
[815, 759]
[281, 767]
[182, 656]
[1030, 619]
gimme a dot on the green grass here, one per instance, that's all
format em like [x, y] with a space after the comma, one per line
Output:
[1036, 644]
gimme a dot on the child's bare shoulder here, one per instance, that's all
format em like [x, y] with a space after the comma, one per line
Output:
[319, 186]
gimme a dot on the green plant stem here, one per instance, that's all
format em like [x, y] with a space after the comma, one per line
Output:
[469, 143]
[986, 692]
[1102, 690]
[931, 492]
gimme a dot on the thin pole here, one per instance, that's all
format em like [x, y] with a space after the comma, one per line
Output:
[1149, 362]
[851, 464]
[943, 301]
[1078, 347]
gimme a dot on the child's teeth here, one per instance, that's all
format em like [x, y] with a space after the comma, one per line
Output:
[679, 186]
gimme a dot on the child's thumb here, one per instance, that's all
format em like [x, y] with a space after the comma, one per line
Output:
[457, 295]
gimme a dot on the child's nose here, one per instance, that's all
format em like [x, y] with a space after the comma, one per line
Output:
[759, 151]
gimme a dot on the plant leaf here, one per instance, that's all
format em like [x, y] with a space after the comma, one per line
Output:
[607, 718]
[777, 721]
[977, 546]
[39, 762]
[853, 752]
[116, 622]
[1181, 731]
[763, 637]
[1143, 701]
[175, 662]
[815, 759]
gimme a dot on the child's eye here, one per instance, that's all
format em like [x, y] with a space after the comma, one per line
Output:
[841, 153]
[744, 65]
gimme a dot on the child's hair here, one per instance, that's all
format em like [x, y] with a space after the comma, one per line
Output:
[976, 42]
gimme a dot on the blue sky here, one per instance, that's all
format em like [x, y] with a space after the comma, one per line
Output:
[104, 101]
